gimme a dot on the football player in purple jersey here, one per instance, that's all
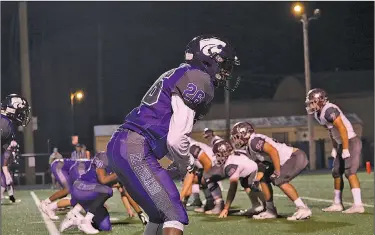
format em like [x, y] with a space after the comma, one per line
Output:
[161, 124]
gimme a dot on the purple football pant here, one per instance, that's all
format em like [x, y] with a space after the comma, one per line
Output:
[92, 196]
[61, 176]
[137, 168]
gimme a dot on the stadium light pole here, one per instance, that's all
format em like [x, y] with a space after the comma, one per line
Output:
[227, 111]
[78, 96]
[299, 11]
[28, 133]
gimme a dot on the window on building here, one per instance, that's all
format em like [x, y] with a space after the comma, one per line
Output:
[281, 137]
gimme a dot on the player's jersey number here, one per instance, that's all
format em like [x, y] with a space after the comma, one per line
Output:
[152, 95]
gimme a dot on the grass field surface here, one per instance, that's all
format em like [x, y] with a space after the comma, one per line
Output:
[25, 218]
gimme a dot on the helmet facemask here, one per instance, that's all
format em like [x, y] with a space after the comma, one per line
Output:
[314, 105]
[23, 117]
[225, 67]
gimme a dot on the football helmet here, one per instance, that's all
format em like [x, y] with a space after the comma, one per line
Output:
[222, 149]
[315, 100]
[240, 134]
[214, 56]
[17, 109]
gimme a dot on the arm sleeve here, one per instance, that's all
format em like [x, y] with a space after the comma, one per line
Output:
[232, 171]
[257, 144]
[331, 114]
[195, 151]
[180, 127]
[194, 88]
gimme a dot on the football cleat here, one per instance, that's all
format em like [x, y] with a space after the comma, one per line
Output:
[86, 227]
[12, 199]
[355, 209]
[196, 203]
[70, 220]
[334, 208]
[253, 210]
[268, 214]
[46, 210]
[219, 206]
[210, 204]
[301, 214]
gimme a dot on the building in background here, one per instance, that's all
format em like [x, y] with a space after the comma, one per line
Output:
[282, 114]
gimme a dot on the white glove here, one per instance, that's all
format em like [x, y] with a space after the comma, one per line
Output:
[13, 143]
[334, 153]
[345, 154]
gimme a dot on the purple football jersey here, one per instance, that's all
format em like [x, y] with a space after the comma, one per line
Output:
[152, 117]
[100, 160]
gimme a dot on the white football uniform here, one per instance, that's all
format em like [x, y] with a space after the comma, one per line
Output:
[328, 115]
[256, 145]
[197, 148]
[239, 166]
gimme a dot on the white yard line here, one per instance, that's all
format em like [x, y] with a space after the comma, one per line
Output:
[49, 224]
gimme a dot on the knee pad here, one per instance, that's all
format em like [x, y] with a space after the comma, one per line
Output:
[349, 172]
[174, 224]
[336, 173]
[105, 224]
[101, 220]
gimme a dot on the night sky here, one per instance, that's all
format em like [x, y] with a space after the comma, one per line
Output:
[141, 40]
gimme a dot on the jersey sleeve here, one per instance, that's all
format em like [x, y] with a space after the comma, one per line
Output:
[195, 89]
[101, 160]
[331, 114]
[257, 144]
[232, 171]
[180, 127]
[195, 151]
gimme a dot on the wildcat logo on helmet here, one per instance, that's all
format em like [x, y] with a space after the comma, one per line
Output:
[222, 148]
[210, 46]
[18, 102]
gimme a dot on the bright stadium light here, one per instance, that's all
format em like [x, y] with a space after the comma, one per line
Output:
[79, 95]
[298, 9]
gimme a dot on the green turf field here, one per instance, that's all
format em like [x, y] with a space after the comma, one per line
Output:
[25, 218]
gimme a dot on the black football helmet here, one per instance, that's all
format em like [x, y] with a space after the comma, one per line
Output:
[222, 149]
[315, 100]
[214, 56]
[17, 109]
[240, 134]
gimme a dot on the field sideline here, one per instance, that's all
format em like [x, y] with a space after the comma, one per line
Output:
[24, 218]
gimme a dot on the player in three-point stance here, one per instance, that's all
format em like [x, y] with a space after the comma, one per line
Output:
[286, 162]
